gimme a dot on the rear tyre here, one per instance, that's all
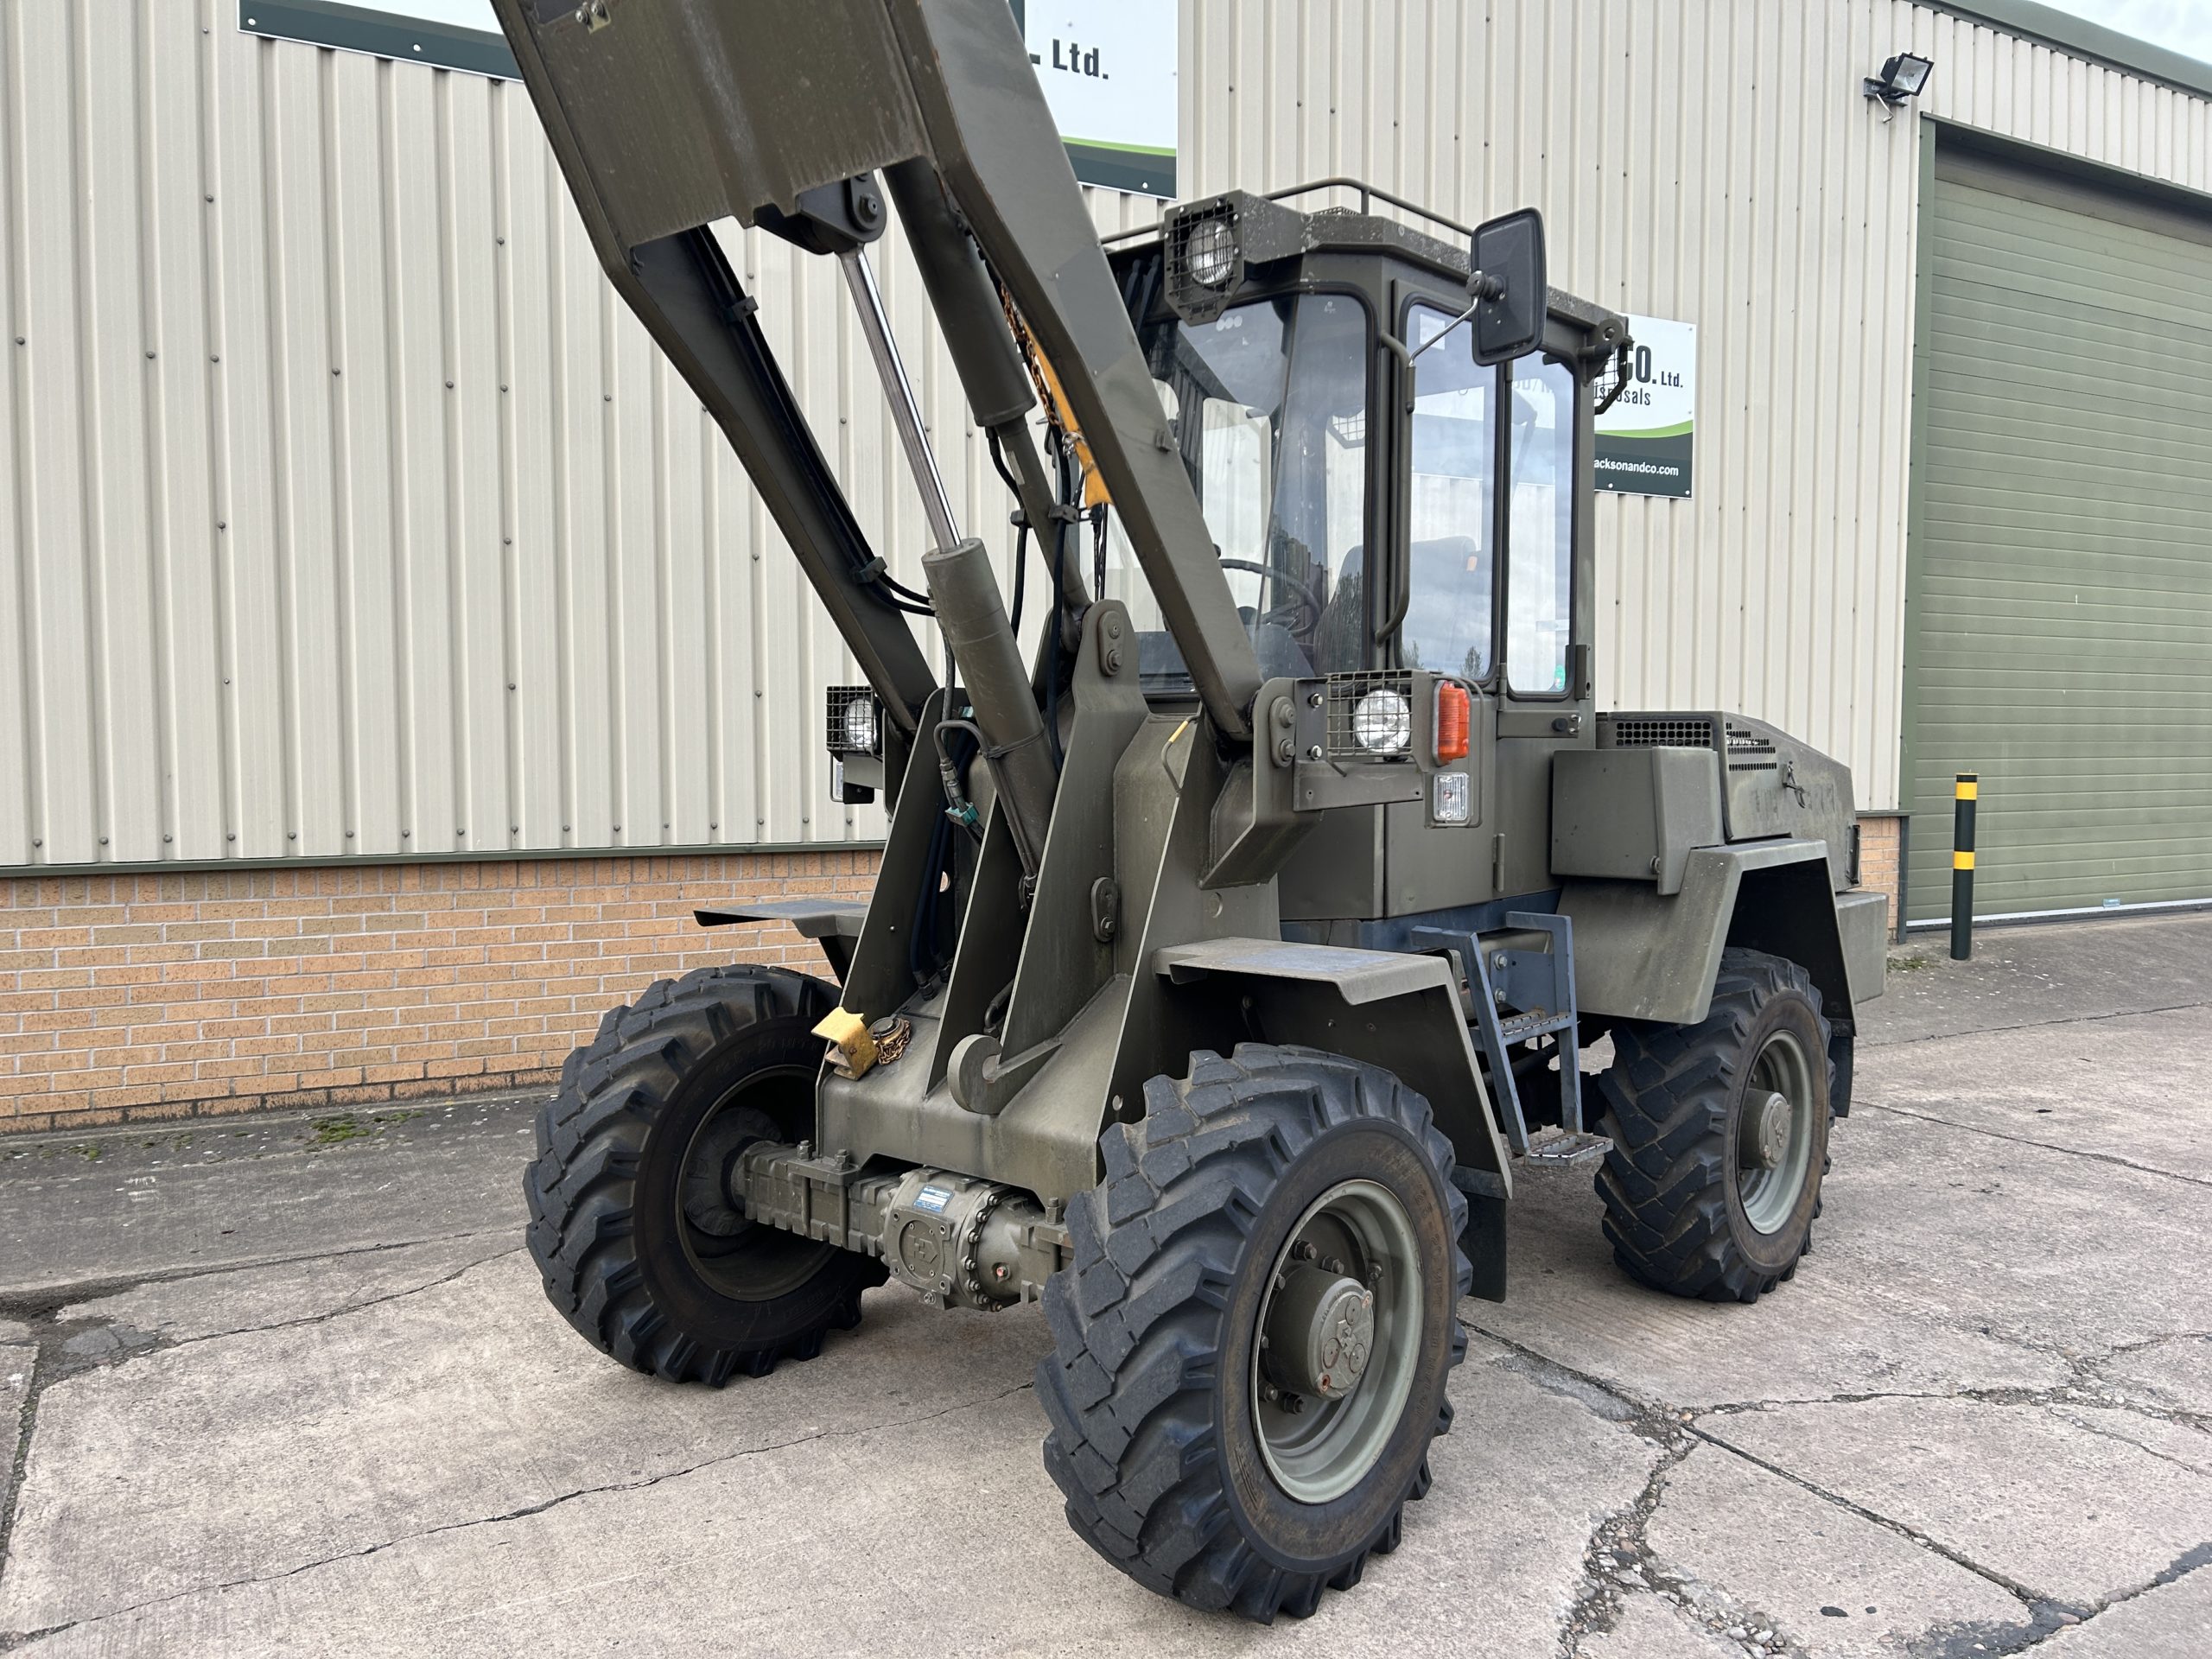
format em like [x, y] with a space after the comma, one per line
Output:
[630, 1221]
[1720, 1135]
[1251, 1348]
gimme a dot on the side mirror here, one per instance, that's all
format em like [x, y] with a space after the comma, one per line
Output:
[1509, 286]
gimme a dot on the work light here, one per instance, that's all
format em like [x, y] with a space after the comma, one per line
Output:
[861, 727]
[855, 722]
[1384, 723]
[1212, 252]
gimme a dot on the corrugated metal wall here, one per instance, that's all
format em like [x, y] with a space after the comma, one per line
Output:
[348, 514]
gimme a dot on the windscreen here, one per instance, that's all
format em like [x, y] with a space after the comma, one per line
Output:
[1268, 406]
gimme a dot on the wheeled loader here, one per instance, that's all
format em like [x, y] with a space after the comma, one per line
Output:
[1235, 951]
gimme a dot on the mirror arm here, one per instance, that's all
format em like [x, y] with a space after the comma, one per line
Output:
[1396, 347]
[1620, 381]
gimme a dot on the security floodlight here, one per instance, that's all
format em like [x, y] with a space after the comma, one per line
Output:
[1903, 76]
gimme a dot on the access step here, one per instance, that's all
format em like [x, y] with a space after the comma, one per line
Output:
[1558, 1148]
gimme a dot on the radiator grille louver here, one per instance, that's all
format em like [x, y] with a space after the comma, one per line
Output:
[1675, 734]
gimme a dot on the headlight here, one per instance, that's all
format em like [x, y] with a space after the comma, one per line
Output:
[1383, 723]
[1211, 254]
[860, 725]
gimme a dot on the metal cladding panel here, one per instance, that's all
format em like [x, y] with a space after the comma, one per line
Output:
[348, 514]
[1712, 161]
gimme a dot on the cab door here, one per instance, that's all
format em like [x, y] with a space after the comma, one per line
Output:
[1544, 702]
[1443, 603]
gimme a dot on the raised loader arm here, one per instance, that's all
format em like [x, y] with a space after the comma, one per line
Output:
[669, 115]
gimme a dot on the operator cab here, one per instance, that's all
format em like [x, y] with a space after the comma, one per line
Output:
[1321, 377]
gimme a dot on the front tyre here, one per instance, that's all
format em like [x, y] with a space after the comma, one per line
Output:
[1720, 1135]
[631, 1219]
[1251, 1348]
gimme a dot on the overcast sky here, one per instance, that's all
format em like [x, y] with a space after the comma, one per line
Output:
[2183, 25]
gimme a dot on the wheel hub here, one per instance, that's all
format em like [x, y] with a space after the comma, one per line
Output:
[1320, 1331]
[1763, 1141]
[1337, 1341]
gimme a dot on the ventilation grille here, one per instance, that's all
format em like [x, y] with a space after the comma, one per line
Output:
[1642, 732]
[1347, 692]
[1750, 751]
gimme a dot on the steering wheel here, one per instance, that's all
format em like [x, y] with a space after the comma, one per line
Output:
[1304, 612]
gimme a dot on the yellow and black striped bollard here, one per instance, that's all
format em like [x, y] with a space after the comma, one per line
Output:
[1966, 793]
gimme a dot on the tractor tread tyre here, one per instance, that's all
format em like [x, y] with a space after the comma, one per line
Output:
[1141, 1319]
[595, 1140]
[1670, 1098]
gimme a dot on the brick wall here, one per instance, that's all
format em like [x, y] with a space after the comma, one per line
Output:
[1881, 869]
[134, 996]
[155, 995]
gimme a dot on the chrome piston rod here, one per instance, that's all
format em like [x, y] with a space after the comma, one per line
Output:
[898, 391]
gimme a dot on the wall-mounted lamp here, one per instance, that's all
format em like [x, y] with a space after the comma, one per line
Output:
[1901, 77]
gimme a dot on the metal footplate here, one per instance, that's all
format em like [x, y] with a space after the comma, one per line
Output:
[1555, 1147]
[1519, 995]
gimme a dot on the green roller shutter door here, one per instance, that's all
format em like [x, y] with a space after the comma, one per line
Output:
[2063, 551]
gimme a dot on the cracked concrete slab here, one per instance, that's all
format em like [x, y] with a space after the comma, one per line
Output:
[2177, 1442]
[2171, 1621]
[15, 1364]
[1649, 1628]
[121, 1207]
[221, 1304]
[939, 1535]
[1832, 1332]
[2055, 1508]
[2172, 1372]
[1832, 1582]
[239, 1456]
[2058, 1086]
[2021, 1242]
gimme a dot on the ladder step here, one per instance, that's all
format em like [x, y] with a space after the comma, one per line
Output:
[1517, 1027]
[1558, 1148]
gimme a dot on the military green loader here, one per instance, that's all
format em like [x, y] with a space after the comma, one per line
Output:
[1236, 948]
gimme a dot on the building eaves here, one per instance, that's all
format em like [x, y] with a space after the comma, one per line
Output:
[2080, 38]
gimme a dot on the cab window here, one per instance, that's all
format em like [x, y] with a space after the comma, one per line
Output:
[1539, 530]
[1452, 575]
[1268, 406]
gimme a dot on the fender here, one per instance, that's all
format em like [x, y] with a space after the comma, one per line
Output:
[832, 925]
[1398, 1010]
[1640, 956]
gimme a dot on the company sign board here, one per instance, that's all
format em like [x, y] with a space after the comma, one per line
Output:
[1107, 67]
[1647, 440]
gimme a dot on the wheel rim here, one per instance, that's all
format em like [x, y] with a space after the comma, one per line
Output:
[1774, 1137]
[1339, 1337]
[739, 1256]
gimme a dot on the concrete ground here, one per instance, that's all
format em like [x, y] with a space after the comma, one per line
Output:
[289, 1386]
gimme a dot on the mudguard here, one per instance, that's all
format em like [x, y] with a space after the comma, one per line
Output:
[1639, 955]
[1394, 1010]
